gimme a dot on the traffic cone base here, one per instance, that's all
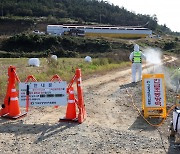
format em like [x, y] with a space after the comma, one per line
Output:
[15, 117]
[3, 115]
[68, 120]
[3, 111]
[82, 115]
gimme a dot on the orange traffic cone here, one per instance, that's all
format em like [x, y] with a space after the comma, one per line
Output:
[14, 110]
[71, 107]
[10, 108]
[82, 111]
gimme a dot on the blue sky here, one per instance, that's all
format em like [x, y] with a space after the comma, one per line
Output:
[167, 11]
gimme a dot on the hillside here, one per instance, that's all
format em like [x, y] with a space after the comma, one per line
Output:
[73, 12]
[20, 18]
[82, 11]
[33, 45]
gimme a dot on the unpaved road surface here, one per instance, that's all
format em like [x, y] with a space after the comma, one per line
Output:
[112, 126]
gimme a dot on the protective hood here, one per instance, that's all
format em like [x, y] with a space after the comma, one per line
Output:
[136, 47]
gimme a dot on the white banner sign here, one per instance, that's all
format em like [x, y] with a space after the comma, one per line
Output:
[43, 93]
[154, 94]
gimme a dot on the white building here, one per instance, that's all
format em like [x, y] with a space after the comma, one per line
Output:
[100, 31]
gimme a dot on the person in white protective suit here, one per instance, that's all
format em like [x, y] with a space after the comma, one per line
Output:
[136, 57]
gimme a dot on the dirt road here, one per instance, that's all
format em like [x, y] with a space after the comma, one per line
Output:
[112, 124]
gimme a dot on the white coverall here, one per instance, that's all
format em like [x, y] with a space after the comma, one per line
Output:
[136, 67]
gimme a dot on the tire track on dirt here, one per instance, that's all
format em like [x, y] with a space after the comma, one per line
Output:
[101, 96]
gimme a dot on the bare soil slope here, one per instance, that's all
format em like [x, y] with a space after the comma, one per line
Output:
[112, 124]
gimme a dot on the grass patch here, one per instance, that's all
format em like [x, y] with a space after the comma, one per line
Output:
[64, 67]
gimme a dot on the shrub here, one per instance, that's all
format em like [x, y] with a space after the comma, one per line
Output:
[63, 46]
[169, 45]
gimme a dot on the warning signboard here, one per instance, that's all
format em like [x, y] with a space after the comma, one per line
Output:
[43, 93]
[153, 93]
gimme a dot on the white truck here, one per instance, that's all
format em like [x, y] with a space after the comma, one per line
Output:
[55, 29]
